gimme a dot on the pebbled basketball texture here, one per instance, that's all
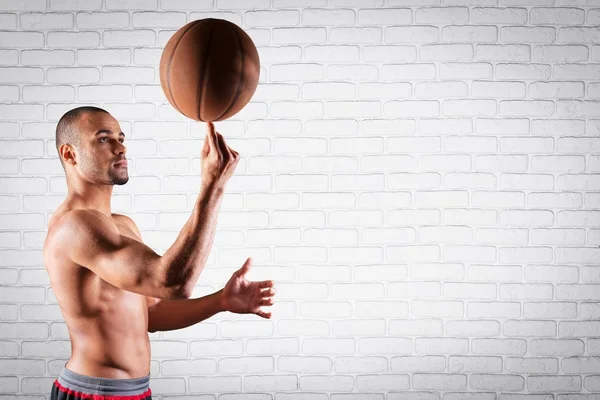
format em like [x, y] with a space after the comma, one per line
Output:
[209, 69]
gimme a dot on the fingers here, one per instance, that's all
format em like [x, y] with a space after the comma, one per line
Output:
[246, 267]
[266, 284]
[211, 136]
[217, 141]
[269, 292]
[223, 147]
[267, 302]
[267, 299]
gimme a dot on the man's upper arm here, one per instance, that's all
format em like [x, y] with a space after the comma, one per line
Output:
[150, 301]
[89, 239]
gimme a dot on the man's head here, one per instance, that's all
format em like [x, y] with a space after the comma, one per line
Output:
[89, 142]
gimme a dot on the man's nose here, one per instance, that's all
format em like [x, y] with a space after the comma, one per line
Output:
[121, 148]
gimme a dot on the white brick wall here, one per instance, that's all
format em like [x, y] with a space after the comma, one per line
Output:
[421, 178]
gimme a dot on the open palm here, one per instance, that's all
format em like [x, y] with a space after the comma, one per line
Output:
[241, 296]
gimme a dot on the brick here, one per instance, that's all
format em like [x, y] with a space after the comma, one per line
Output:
[159, 19]
[8, 21]
[411, 108]
[296, 72]
[503, 52]
[560, 53]
[556, 16]
[9, 57]
[9, 94]
[498, 89]
[410, 145]
[446, 52]
[385, 16]
[299, 35]
[103, 57]
[145, 56]
[525, 108]
[352, 73]
[381, 53]
[357, 3]
[582, 35]
[291, 109]
[411, 34]
[522, 34]
[73, 39]
[29, 5]
[559, 90]
[469, 33]
[128, 74]
[21, 111]
[523, 71]
[441, 89]
[39, 21]
[400, 72]
[39, 94]
[328, 90]
[136, 5]
[441, 15]
[281, 54]
[47, 57]
[104, 92]
[332, 53]
[577, 71]
[353, 109]
[73, 75]
[134, 38]
[502, 126]
[355, 35]
[249, 4]
[186, 4]
[276, 91]
[62, 5]
[102, 20]
[375, 91]
[489, 15]
[21, 39]
[279, 18]
[328, 17]
[465, 70]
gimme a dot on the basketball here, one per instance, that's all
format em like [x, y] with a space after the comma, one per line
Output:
[209, 69]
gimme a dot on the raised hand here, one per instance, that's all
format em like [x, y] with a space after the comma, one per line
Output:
[218, 159]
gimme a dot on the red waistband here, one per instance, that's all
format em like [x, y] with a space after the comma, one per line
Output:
[89, 396]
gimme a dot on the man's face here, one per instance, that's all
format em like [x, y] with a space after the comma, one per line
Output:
[101, 148]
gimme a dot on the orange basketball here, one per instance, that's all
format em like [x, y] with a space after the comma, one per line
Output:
[209, 69]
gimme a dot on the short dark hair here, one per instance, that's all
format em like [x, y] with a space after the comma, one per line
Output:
[66, 129]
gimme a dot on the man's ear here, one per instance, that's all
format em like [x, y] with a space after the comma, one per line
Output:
[67, 153]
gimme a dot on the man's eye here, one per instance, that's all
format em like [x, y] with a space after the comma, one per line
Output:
[103, 138]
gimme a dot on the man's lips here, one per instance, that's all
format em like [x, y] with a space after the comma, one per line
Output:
[122, 163]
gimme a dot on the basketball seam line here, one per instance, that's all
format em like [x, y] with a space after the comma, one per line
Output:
[203, 69]
[239, 85]
[171, 63]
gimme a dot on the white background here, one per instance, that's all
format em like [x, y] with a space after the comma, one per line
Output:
[420, 179]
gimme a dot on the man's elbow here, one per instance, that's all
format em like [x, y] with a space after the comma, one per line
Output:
[181, 293]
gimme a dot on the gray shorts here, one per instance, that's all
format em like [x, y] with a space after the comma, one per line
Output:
[72, 386]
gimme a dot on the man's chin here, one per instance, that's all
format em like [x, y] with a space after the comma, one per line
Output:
[120, 180]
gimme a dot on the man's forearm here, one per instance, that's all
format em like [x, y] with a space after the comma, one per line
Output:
[186, 258]
[169, 315]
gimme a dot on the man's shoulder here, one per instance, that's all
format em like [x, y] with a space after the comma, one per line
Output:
[73, 218]
[127, 221]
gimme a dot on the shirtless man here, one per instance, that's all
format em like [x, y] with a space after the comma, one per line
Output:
[113, 289]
